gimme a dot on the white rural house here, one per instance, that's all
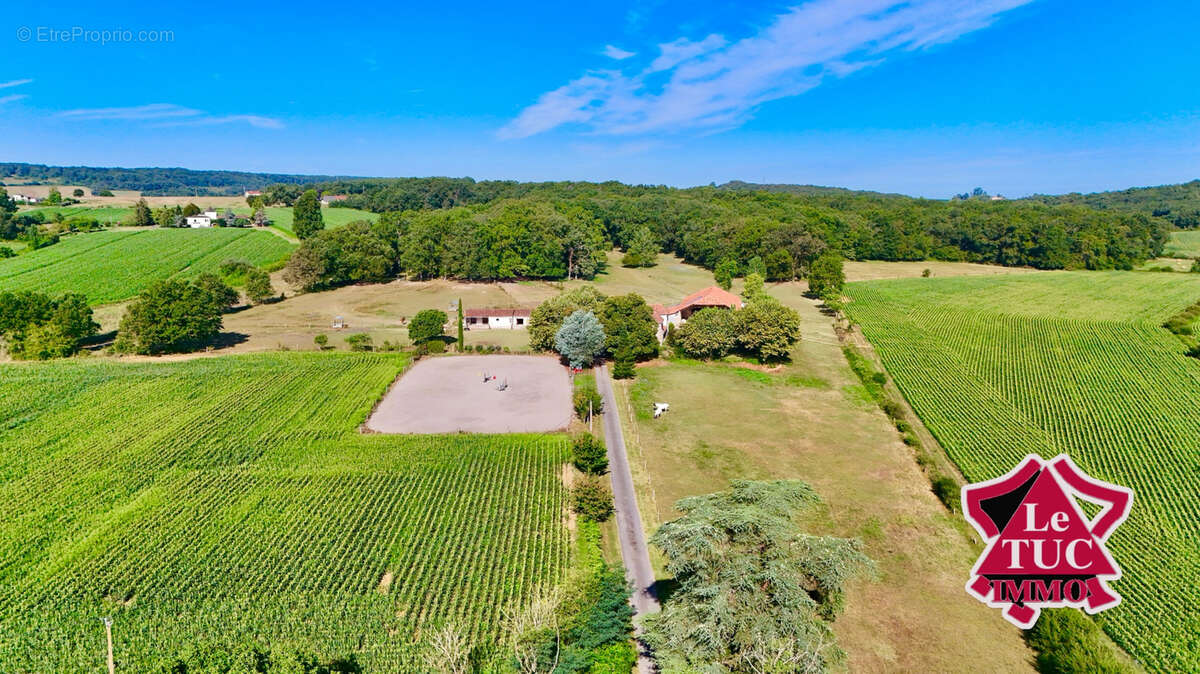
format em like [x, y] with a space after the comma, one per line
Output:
[202, 220]
[492, 319]
[251, 193]
[329, 199]
[26, 199]
[678, 314]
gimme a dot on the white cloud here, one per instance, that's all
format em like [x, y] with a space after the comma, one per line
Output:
[150, 111]
[174, 115]
[616, 53]
[714, 84]
[11, 97]
[14, 83]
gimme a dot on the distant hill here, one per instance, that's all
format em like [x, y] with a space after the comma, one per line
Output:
[806, 190]
[156, 181]
[1177, 204]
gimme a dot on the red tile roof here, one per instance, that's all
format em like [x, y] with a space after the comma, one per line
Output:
[712, 296]
[497, 313]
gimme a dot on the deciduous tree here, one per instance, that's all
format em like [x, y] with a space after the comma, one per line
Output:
[306, 215]
[427, 324]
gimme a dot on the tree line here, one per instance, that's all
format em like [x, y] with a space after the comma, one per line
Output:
[493, 230]
[154, 181]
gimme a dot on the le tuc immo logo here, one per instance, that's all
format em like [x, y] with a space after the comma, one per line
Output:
[1043, 551]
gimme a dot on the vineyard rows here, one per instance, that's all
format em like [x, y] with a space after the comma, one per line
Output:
[113, 266]
[234, 498]
[1071, 362]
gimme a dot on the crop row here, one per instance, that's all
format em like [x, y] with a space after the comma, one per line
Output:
[995, 380]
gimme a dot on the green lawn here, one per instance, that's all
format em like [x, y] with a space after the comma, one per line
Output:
[1183, 244]
[334, 217]
[1073, 362]
[112, 266]
[116, 215]
[229, 499]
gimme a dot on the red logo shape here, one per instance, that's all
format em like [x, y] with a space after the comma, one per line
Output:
[1042, 550]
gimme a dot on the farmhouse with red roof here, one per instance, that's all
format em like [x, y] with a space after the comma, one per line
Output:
[491, 318]
[712, 296]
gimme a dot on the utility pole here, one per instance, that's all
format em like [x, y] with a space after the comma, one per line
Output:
[590, 416]
[112, 667]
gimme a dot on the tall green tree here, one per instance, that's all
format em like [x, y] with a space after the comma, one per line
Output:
[548, 317]
[580, 339]
[629, 326]
[767, 328]
[462, 342]
[826, 275]
[54, 198]
[142, 217]
[306, 215]
[173, 315]
[642, 249]
[725, 271]
[754, 593]
[426, 325]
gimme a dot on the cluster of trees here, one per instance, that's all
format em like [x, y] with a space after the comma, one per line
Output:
[1177, 204]
[251, 658]
[583, 324]
[154, 181]
[359, 252]
[753, 593]
[590, 496]
[786, 230]
[36, 326]
[764, 328]
[174, 315]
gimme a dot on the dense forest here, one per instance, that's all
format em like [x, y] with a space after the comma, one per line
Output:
[1177, 204]
[462, 229]
[153, 181]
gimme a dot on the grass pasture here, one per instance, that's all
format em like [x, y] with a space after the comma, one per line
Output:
[334, 217]
[811, 420]
[116, 265]
[1071, 362]
[114, 215]
[224, 499]
[1184, 243]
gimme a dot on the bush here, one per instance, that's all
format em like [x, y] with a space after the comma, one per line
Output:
[5, 251]
[623, 369]
[1069, 643]
[589, 454]
[618, 658]
[427, 324]
[360, 341]
[586, 398]
[321, 341]
[592, 499]
[947, 491]
[435, 346]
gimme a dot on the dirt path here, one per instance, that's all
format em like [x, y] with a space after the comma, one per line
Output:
[629, 520]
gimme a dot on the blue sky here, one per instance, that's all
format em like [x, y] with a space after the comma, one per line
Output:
[925, 97]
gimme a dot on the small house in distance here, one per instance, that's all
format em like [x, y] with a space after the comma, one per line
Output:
[26, 198]
[251, 193]
[328, 199]
[200, 220]
[493, 319]
[712, 296]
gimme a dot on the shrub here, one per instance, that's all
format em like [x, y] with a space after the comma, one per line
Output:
[925, 273]
[5, 251]
[589, 454]
[947, 491]
[321, 341]
[1069, 643]
[359, 341]
[592, 499]
[258, 286]
[435, 346]
[586, 398]
[623, 369]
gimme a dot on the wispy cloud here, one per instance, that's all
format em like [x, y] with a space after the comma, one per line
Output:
[11, 97]
[616, 53]
[14, 83]
[714, 84]
[150, 111]
[170, 114]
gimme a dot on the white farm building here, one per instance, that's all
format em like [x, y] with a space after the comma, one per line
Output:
[493, 319]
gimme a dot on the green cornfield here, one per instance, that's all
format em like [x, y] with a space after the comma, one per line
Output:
[231, 499]
[1073, 362]
[116, 265]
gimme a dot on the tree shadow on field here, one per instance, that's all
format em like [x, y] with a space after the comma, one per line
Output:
[226, 340]
[98, 342]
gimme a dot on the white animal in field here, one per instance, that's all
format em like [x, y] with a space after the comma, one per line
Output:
[659, 408]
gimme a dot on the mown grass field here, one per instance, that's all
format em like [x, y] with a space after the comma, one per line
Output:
[224, 499]
[1072, 362]
[116, 215]
[113, 266]
[1183, 244]
[334, 217]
